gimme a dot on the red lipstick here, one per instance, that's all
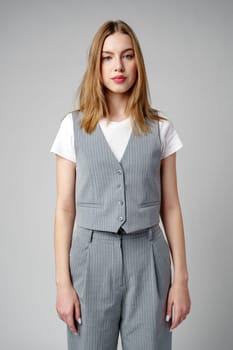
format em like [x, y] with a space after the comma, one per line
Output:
[119, 79]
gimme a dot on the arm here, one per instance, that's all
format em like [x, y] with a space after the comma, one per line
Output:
[67, 300]
[64, 218]
[171, 217]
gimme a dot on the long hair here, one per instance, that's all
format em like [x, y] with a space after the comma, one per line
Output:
[92, 101]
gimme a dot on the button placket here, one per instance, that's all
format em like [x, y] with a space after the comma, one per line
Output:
[121, 216]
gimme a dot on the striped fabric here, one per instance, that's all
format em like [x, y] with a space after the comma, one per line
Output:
[109, 193]
[122, 278]
[122, 281]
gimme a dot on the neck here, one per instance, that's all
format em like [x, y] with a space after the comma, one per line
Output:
[117, 105]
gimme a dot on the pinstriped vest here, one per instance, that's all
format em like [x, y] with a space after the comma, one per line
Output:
[112, 194]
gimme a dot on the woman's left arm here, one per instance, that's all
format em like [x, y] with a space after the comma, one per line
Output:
[179, 302]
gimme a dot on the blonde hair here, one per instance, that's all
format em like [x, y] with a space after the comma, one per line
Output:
[92, 101]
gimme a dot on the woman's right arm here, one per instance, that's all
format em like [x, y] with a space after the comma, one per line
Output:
[67, 304]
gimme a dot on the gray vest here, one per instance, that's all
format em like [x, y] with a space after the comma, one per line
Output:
[112, 194]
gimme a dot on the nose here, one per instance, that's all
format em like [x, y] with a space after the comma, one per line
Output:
[119, 67]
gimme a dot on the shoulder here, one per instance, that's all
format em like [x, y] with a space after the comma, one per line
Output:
[71, 123]
[67, 120]
[63, 144]
[170, 140]
[66, 128]
[166, 126]
[66, 125]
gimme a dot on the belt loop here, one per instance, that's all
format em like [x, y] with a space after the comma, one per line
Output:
[150, 234]
[91, 235]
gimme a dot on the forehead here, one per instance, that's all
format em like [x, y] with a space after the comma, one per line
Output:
[117, 42]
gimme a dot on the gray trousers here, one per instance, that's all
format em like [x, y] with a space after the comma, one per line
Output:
[122, 281]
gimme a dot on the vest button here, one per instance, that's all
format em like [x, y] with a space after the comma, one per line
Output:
[120, 202]
[121, 218]
[119, 171]
[118, 185]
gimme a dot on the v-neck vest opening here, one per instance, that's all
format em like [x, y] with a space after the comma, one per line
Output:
[108, 146]
[111, 194]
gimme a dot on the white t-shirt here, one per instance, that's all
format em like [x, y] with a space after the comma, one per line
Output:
[117, 134]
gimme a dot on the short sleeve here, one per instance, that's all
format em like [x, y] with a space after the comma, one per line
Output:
[63, 143]
[170, 140]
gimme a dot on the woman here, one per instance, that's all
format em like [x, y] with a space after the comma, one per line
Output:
[116, 175]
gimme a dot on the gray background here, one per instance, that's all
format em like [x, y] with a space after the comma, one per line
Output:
[188, 52]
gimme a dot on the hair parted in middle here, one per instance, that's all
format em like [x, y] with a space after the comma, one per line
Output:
[92, 100]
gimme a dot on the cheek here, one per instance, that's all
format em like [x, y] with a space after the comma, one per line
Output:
[104, 72]
[134, 71]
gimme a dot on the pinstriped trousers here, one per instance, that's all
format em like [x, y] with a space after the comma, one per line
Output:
[122, 281]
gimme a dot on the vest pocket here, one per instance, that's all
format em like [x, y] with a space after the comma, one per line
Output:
[89, 204]
[148, 204]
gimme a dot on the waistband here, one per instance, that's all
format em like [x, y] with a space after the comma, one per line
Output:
[91, 234]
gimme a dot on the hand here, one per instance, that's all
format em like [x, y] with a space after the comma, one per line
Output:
[68, 306]
[179, 300]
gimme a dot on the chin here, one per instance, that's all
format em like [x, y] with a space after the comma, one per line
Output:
[119, 90]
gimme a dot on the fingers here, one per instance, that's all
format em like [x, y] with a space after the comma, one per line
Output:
[70, 322]
[179, 315]
[77, 312]
[169, 310]
[178, 305]
[68, 307]
[69, 315]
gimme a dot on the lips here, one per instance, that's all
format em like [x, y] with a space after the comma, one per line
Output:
[119, 78]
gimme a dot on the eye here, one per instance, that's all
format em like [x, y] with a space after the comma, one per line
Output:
[106, 58]
[128, 56]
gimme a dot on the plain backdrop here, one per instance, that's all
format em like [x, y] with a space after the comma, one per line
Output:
[188, 53]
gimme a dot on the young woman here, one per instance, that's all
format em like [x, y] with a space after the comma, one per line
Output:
[116, 177]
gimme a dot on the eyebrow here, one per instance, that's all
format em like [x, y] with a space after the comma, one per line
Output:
[122, 51]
